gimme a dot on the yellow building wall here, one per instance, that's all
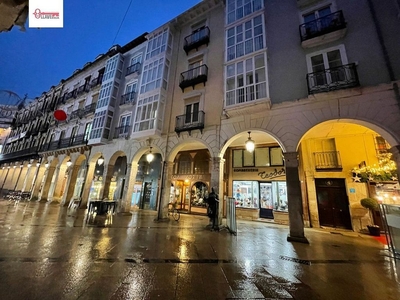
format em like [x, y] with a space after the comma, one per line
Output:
[353, 149]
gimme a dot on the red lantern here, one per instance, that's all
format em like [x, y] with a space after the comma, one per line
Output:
[60, 115]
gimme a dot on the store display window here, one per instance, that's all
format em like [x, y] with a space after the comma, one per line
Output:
[246, 193]
[199, 192]
[279, 196]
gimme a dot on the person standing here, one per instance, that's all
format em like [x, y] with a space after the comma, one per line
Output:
[212, 210]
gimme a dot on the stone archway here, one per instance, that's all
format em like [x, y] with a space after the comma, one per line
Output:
[329, 152]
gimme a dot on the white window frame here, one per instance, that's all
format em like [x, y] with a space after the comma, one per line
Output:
[232, 6]
[136, 59]
[331, 3]
[244, 40]
[324, 52]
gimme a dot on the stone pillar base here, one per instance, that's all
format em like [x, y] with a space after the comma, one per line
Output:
[297, 239]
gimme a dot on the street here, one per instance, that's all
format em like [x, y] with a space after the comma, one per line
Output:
[51, 252]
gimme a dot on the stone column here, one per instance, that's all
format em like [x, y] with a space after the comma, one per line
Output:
[108, 172]
[166, 175]
[53, 183]
[27, 179]
[87, 185]
[10, 183]
[70, 184]
[295, 204]
[217, 182]
[395, 150]
[130, 177]
[38, 182]
[19, 181]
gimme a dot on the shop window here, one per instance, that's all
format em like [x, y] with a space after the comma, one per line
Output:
[184, 164]
[279, 196]
[201, 163]
[246, 194]
[276, 156]
[199, 192]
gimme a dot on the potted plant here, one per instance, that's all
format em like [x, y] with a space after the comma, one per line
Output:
[372, 205]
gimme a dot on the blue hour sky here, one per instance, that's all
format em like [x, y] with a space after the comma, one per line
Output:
[32, 61]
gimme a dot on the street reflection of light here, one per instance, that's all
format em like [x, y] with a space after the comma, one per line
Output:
[183, 251]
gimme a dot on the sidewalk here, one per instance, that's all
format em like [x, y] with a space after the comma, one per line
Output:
[49, 252]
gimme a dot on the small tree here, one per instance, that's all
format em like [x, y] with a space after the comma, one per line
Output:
[372, 205]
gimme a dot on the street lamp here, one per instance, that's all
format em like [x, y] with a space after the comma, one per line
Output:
[150, 156]
[46, 165]
[250, 143]
[100, 161]
[69, 163]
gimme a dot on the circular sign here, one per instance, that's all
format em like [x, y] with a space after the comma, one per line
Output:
[60, 115]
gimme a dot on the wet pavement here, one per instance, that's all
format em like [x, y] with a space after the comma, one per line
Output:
[51, 252]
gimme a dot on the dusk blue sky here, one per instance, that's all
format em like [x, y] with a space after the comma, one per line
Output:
[32, 61]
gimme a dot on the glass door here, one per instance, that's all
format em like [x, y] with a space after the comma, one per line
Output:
[266, 207]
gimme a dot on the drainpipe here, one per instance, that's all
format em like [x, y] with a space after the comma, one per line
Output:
[159, 210]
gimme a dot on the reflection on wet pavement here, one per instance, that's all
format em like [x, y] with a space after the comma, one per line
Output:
[50, 252]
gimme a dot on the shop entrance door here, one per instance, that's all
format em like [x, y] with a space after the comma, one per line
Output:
[333, 203]
[146, 196]
[266, 200]
[182, 195]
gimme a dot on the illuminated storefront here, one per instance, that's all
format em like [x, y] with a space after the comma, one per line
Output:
[257, 181]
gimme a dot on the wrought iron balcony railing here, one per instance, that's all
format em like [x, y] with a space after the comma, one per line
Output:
[133, 69]
[77, 114]
[193, 76]
[89, 109]
[199, 37]
[329, 160]
[44, 127]
[189, 122]
[128, 98]
[96, 81]
[321, 26]
[122, 131]
[77, 140]
[21, 154]
[341, 77]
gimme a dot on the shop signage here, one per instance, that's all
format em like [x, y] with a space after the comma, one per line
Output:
[189, 177]
[245, 170]
[273, 174]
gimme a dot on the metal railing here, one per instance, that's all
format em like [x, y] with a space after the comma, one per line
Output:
[122, 131]
[327, 160]
[391, 219]
[128, 98]
[77, 140]
[189, 122]
[77, 114]
[341, 77]
[193, 76]
[321, 26]
[18, 154]
[196, 39]
[133, 68]
[95, 82]
[89, 109]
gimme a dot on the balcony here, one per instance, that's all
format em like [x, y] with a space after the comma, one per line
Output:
[77, 114]
[327, 161]
[323, 30]
[77, 140]
[24, 154]
[337, 78]
[96, 82]
[135, 68]
[89, 109]
[196, 39]
[44, 127]
[128, 98]
[69, 95]
[189, 122]
[193, 76]
[83, 89]
[122, 131]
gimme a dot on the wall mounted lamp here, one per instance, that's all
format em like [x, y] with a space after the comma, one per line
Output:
[250, 143]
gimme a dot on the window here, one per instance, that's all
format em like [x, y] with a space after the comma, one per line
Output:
[201, 163]
[237, 9]
[331, 59]
[125, 120]
[146, 113]
[260, 157]
[185, 164]
[313, 26]
[88, 129]
[246, 80]
[136, 59]
[192, 113]
[246, 193]
[151, 78]
[157, 44]
[381, 145]
[245, 38]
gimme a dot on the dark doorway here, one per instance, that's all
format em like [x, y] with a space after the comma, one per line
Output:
[333, 203]
[146, 196]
